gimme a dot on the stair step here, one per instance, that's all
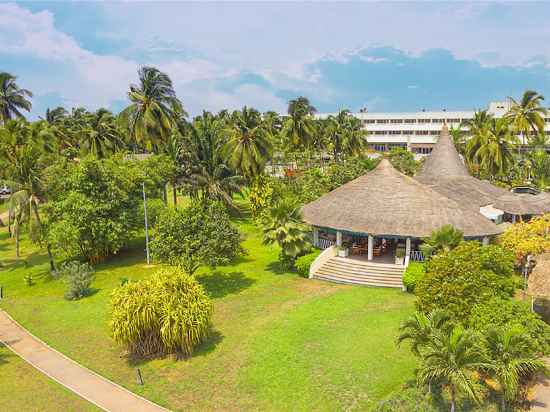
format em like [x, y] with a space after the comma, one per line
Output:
[379, 279]
[361, 271]
[345, 272]
[363, 283]
[364, 262]
[348, 263]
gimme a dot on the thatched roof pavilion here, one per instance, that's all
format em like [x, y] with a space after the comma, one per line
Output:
[445, 172]
[387, 202]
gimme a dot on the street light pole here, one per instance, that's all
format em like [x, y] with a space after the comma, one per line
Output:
[146, 226]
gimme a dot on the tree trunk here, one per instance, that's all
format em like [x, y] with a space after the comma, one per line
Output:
[174, 193]
[16, 230]
[48, 246]
[165, 194]
[453, 400]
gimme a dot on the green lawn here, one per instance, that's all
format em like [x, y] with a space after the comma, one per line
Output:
[26, 389]
[279, 342]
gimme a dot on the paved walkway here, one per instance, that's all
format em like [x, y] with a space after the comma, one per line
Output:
[541, 393]
[85, 383]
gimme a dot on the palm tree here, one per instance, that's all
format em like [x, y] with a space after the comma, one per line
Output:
[354, 141]
[527, 116]
[511, 359]
[22, 147]
[452, 358]
[495, 154]
[207, 173]
[539, 164]
[18, 212]
[13, 99]
[458, 139]
[282, 225]
[55, 116]
[98, 134]
[154, 109]
[446, 238]
[420, 329]
[477, 131]
[249, 145]
[299, 127]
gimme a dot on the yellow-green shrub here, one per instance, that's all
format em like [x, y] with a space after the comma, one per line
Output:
[167, 313]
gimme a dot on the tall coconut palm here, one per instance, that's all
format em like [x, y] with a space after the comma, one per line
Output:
[477, 132]
[355, 140]
[420, 329]
[249, 145]
[299, 127]
[539, 165]
[453, 358]
[511, 359]
[154, 109]
[207, 173]
[527, 115]
[54, 116]
[13, 99]
[18, 211]
[495, 154]
[98, 134]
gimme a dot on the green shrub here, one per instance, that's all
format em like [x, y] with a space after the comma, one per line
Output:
[407, 400]
[303, 263]
[469, 274]
[414, 272]
[509, 314]
[200, 234]
[78, 277]
[167, 313]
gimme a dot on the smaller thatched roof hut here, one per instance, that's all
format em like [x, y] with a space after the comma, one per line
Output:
[445, 172]
[387, 202]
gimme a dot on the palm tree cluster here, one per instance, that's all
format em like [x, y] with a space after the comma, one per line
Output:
[493, 147]
[461, 360]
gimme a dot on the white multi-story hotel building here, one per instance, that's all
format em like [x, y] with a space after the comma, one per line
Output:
[418, 131]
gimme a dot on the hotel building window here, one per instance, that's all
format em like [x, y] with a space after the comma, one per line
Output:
[382, 121]
[396, 121]
[395, 132]
[424, 120]
[401, 145]
[369, 121]
[410, 121]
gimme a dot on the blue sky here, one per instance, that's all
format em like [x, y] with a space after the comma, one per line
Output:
[386, 56]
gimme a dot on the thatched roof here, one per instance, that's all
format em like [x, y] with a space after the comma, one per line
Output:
[445, 172]
[386, 202]
[539, 279]
[443, 161]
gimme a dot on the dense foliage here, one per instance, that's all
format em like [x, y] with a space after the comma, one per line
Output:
[463, 277]
[200, 234]
[412, 275]
[508, 314]
[166, 313]
[527, 238]
[304, 262]
[404, 161]
[444, 239]
[94, 207]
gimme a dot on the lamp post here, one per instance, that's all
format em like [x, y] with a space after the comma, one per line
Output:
[146, 226]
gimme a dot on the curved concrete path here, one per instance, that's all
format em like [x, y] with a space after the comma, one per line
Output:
[85, 383]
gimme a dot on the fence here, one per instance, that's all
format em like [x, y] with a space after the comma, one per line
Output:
[417, 256]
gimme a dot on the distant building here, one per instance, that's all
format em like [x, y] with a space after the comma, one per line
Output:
[417, 131]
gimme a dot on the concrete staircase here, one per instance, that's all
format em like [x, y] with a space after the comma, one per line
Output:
[359, 272]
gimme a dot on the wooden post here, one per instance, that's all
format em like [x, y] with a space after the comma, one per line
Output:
[338, 238]
[139, 378]
[371, 247]
[315, 237]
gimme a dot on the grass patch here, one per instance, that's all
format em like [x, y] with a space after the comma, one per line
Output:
[279, 342]
[27, 389]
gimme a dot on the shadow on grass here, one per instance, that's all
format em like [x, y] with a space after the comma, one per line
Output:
[212, 341]
[219, 284]
[278, 268]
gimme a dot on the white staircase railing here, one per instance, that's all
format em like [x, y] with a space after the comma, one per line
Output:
[417, 256]
[324, 243]
[325, 255]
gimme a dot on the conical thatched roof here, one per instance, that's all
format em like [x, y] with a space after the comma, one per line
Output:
[443, 161]
[386, 202]
[445, 172]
